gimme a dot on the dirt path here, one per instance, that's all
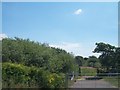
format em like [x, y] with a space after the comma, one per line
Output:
[91, 84]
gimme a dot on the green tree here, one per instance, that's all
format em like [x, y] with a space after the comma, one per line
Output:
[107, 57]
[93, 61]
[79, 60]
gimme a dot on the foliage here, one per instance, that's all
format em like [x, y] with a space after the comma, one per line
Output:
[31, 64]
[79, 60]
[109, 57]
[17, 75]
[30, 53]
[93, 62]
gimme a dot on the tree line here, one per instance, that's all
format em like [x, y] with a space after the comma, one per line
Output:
[109, 58]
[107, 62]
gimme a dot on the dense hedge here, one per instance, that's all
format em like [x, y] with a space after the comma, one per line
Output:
[18, 76]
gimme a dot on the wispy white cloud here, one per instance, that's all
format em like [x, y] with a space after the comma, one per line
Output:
[76, 48]
[2, 35]
[78, 11]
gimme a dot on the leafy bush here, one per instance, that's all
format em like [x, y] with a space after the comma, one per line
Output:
[17, 75]
[56, 80]
[14, 74]
[31, 64]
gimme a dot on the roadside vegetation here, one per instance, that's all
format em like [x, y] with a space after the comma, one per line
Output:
[27, 63]
[112, 80]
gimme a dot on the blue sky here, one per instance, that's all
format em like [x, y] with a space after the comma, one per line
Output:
[75, 27]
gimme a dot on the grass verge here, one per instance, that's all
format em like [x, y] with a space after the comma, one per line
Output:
[112, 80]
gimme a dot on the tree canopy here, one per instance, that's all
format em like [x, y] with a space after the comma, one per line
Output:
[109, 56]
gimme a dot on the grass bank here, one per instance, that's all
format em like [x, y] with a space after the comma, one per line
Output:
[112, 80]
[88, 71]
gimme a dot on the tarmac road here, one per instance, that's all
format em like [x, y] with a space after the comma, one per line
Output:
[92, 84]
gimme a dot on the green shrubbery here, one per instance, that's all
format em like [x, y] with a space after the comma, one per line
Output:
[17, 75]
[30, 53]
[31, 64]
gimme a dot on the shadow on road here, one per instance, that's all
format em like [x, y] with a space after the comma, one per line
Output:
[93, 78]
